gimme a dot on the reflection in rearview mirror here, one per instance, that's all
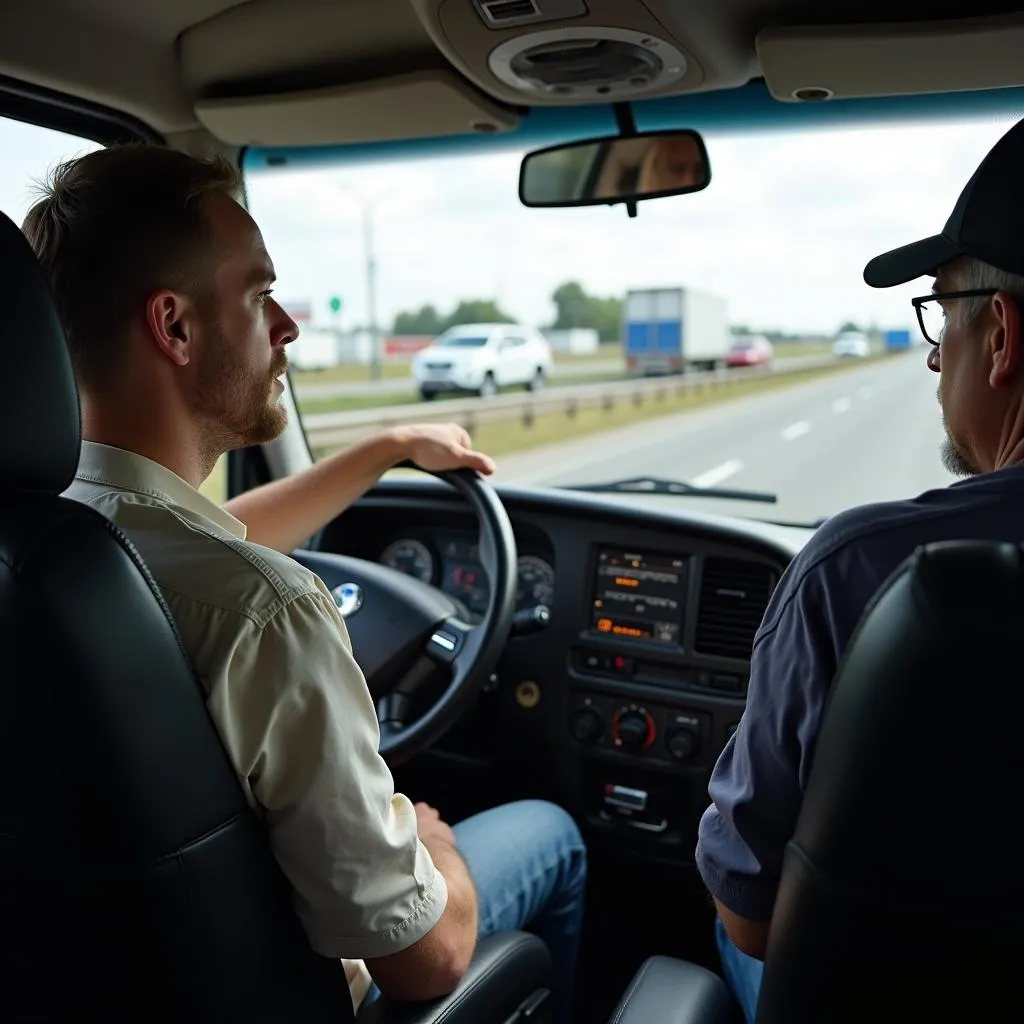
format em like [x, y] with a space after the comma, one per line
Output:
[615, 169]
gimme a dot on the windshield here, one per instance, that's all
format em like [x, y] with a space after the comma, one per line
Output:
[390, 256]
[461, 341]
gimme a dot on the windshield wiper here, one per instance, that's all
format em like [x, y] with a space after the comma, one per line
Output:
[659, 485]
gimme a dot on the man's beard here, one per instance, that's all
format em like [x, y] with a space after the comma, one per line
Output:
[954, 460]
[239, 408]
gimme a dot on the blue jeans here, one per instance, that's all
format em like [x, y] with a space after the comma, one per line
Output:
[529, 866]
[742, 972]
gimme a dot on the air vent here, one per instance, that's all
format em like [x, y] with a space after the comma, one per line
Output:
[733, 597]
[499, 12]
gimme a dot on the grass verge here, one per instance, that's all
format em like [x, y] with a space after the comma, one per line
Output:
[344, 403]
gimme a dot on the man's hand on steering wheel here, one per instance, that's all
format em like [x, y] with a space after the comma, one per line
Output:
[436, 447]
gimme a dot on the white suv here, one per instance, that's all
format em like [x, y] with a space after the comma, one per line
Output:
[851, 344]
[480, 358]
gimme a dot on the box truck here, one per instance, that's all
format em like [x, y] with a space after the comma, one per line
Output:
[896, 340]
[672, 330]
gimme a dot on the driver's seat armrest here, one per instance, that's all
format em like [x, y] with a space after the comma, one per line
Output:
[669, 991]
[509, 979]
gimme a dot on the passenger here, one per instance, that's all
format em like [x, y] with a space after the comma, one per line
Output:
[973, 321]
[163, 284]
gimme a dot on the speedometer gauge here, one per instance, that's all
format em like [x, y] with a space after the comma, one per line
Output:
[412, 557]
[536, 582]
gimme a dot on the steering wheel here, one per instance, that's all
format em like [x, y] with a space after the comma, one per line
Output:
[404, 630]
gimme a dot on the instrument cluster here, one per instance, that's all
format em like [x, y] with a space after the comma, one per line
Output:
[451, 562]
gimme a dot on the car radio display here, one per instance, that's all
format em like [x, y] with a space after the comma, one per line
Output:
[639, 596]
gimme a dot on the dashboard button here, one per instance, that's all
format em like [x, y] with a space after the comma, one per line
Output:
[682, 742]
[587, 725]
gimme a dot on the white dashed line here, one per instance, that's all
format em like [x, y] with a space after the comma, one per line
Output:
[795, 430]
[865, 392]
[718, 474]
[841, 405]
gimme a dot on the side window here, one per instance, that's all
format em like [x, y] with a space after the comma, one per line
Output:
[28, 153]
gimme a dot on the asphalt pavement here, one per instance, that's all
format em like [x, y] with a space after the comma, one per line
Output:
[865, 434]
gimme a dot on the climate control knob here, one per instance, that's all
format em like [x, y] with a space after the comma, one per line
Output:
[682, 742]
[633, 729]
[587, 725]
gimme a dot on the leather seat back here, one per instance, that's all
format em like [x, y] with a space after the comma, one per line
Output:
[902, 894]
[135, 881]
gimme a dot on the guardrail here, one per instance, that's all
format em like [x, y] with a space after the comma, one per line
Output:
[328, 429]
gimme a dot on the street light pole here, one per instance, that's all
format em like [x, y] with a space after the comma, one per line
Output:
[367, 206]
[371, 291]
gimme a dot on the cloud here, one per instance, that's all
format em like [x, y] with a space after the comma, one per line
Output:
[783, 231]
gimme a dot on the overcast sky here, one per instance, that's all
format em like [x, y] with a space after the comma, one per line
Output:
[782, 232]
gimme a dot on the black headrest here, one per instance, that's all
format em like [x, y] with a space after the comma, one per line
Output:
[40, 423]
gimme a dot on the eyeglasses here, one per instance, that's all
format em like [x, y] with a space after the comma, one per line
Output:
[931, 315]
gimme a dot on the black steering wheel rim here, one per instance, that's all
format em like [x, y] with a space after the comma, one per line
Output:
[436, 625]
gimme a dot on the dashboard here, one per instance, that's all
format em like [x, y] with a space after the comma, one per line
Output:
[619, 705]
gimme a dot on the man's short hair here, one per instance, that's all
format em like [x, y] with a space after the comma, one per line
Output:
[115, 226]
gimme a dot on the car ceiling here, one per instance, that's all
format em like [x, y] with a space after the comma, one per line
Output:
[161, 61]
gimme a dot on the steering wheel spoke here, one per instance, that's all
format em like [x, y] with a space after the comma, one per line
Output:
[394, 710]
[448, 641]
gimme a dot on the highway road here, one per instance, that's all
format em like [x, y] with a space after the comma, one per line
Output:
[867, 434]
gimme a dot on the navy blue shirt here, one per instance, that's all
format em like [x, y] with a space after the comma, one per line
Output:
[758, 783]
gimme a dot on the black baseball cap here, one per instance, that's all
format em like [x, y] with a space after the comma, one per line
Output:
[986, 223]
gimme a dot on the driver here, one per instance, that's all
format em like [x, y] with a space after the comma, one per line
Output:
[977, 305]
[163, 286]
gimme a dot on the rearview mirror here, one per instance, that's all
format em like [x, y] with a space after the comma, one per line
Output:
[615, 169]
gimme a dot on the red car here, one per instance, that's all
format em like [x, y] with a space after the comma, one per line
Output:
[749, 350]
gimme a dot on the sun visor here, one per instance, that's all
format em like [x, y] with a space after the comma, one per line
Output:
[426, 104]
[805, 64]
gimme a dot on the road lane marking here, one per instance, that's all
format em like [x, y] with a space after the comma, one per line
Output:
[865, 392]
[841, 405]
[795, 430]
[718, 474]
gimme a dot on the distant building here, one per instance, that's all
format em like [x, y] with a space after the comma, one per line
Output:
[579, 341]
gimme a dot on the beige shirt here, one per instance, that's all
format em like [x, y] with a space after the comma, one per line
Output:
[291, 706]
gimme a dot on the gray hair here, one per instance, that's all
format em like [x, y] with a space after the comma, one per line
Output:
[969, 273]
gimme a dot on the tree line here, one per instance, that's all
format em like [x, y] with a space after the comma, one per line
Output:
[574, 307]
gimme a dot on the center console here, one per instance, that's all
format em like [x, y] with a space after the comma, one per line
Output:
[648, 714]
